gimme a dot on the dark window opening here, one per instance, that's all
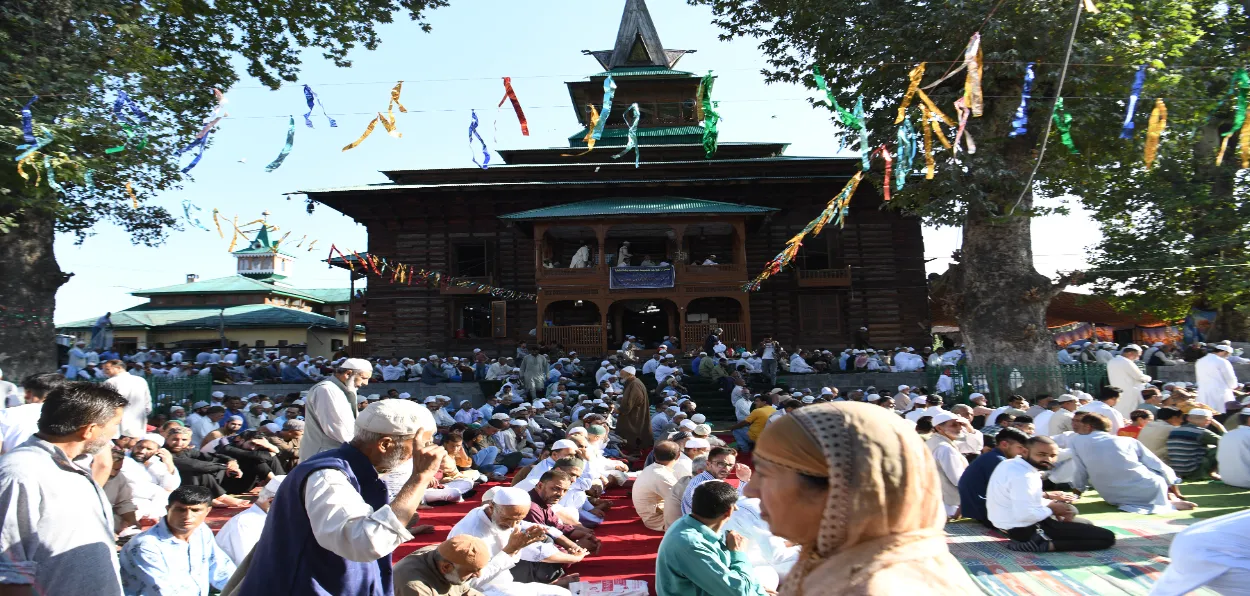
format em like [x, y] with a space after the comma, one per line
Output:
[471, 260]
[816, 255]
[820, 313]
[473, 320]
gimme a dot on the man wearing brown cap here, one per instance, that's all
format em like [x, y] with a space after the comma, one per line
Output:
[442, 569]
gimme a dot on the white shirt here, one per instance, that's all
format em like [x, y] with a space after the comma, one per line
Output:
[12, 398]
[135, 414]
[1101, 407]
[18, 424]
[331, 411]
[1013, 498]
[200, 429]
[663, 371]
[1214, 553]
[1216, 381]
[1124, 374]
[951, 466]
[1234, 457]
[1041, 423]
[393, 373]
[973, 443]
[497, 574]
[242, 532]
[650, 366]
[344, 524]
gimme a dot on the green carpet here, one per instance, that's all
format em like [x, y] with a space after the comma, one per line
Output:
[1214, 498]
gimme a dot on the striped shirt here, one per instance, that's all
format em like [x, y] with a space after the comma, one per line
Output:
[1187, 445]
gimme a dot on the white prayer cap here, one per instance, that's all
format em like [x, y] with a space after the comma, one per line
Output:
[944, 417]
[509, 496]
[920, 399]
[395, 417]
[251, 395]
[698, 418]
[629, 369]
[199, 404]
[155, 438]
[563, 444]
[1132, 347]
[809, 400]
[499, 416]
[218, 394]
[826, 391]
[687, 425]
[1067, 397]
[356, 364]
[581, 430]
[360, 399]
[702, 430]
[518, 422]
[902, 387]
[1226, 348]
[464, 401]
[298, 402]
[476, 350]
[274, 483]
[1200, 412]
[872, 397]
[673, 409]
[443, 398]
[976, 395]
[405, 395]
[266, 404]
[698, 444]
[431, 400]
[273, 427]
[433, 356]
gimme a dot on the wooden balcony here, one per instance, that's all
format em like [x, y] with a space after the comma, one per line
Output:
[693, 334]
[586, 339]
[824, 278]
[589, 282]
[565, 276]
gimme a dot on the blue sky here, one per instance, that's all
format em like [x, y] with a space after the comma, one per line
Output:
[447, 72]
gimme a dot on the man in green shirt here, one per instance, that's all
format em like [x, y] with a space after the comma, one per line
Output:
[694, 561]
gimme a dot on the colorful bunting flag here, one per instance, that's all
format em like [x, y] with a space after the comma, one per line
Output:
[510, 95]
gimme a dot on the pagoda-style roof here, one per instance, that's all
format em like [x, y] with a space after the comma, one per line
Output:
[262, 245]
[237, 284]
[637, 206]
[212, 317]
[637, 42]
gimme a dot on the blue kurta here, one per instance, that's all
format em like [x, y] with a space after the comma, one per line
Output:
[693, 561]
[155, 563]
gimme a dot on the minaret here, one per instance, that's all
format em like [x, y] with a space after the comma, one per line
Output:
[262, 259]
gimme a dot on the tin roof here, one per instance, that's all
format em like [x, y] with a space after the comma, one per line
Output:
[638, 206]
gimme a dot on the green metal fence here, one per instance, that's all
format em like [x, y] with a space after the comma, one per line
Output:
[167, 391]
[999, 382]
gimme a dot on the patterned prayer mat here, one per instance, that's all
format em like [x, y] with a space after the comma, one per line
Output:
[1131, 567]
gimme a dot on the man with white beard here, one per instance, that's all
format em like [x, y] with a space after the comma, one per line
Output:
[510, 539]
[330, 408]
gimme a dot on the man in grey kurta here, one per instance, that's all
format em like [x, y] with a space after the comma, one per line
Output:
[1123, 471]
[534, 368]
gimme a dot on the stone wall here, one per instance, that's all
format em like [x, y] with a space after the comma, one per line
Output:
[846, 382]
[1185, 372]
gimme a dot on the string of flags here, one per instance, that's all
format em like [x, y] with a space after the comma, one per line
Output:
[399, 273]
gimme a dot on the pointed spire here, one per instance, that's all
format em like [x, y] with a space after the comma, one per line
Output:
[637, 42]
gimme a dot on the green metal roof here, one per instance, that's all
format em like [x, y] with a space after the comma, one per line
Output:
[245, 315]
[234, 284]
[660, 135]
[642, 71]
[637, 206]
[330, 295]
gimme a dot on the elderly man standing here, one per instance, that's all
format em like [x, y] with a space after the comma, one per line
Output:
[633, 426]
[332, 529]
[135, 390]
[57, 533]
[1122, 372]
[442, 569]
[1216, 378]
[331, 408]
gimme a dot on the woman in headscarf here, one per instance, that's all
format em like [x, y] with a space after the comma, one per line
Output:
[853, 485]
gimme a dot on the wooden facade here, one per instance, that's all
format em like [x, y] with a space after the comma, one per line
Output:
[871, 273]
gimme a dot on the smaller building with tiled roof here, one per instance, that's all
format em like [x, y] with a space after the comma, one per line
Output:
[252, 309]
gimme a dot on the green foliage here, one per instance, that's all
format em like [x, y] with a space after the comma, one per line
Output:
[869, 47]
[168, 55]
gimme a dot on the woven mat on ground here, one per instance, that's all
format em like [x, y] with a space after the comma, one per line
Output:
[1131, 567]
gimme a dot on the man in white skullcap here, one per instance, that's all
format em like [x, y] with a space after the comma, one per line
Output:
[243, 531]
[150, 470]
[1216, 378]
[333, 525]
[1122, 372]
[510, 539]
[331, 408]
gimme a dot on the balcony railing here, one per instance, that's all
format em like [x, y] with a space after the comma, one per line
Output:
[693, 334]
[587, 339]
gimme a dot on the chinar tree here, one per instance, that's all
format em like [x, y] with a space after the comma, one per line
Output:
[868, 49]
[167, 56]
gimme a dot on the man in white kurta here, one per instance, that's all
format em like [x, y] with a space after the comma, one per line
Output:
[1214, 553]
[510, 540]
[330, 408]
[1122, 470]
[1122, 372]
[947, 428]
[243, 531]
[138, 398]
[622, 256]
[1105, 405]
[1216, 379]
[581, 258]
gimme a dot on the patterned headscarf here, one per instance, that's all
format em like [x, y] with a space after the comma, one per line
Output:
[882, 479]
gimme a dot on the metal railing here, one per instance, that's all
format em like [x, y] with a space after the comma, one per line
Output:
[998, 382]
[693, 334]
[167, 391]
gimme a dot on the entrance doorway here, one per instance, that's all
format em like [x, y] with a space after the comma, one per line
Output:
[648, 320]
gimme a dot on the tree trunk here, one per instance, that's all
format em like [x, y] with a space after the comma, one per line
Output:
[29, 279]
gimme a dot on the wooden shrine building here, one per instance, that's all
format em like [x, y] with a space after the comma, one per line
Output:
[697, 230]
